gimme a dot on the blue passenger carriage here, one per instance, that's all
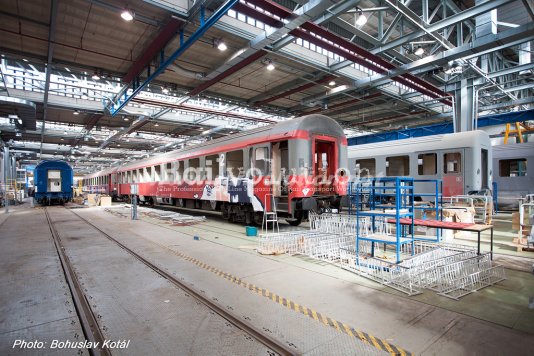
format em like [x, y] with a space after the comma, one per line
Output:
[53, 182]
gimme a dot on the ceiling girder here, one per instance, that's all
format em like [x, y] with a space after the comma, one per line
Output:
[484, 45]
[449, 21]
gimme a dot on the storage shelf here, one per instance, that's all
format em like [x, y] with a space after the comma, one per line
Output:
[372, 194]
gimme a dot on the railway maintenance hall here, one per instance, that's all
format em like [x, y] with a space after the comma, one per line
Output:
[266, 177]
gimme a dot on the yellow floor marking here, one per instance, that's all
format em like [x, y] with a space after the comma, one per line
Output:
[296, 307]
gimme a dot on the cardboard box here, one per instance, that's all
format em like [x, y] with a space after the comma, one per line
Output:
[92, 199]
[515, 220]
[105, 201]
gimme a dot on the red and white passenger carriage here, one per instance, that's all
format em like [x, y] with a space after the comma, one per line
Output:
[299, 164]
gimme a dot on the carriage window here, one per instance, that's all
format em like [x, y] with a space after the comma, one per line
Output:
[398, 166]
[193, 169]
[261, 155]
[212, 167]
[169, 173]
[157, 173]
[427, 164]
[366, 167]
[179, 171]
[516, 167]
[148, 174]
[235, 164]
[452, 162]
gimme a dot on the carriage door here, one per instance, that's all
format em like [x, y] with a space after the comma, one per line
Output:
[54, 181]
[453, 176]
[484, 167]
[260, 158]
[324, 163]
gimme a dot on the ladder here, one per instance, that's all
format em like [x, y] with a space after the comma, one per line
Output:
[270, 216]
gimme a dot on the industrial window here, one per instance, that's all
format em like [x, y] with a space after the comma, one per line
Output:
[365, 167]
[516, 167]
[212, 167]
[179, 171]
[157, 173]
[234, 163]
[261, 155]
[398, 166]
[452, 162]
[193, 169]
[427, 164]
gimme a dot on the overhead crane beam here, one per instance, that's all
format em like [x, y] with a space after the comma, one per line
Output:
[281, 33]
[123, 98]
[156, 46]
[309, 30]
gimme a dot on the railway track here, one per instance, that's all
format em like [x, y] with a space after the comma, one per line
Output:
[88, 320]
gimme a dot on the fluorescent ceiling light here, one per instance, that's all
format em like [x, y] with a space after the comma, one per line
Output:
[127, 15]
[95, 76]
[419, 51]
[332, 83]
[76, 112]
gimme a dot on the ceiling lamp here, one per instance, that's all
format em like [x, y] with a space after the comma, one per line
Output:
[362, 19]
[76, 112]
[221, 45]
[270, 64]
[419, 51]
[95, 76]
[164, 90]
[127, 15]
[156, 124]
[332, 83]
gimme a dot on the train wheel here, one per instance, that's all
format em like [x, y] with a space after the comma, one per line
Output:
[258, 218]
[297, 220]
[294, 222]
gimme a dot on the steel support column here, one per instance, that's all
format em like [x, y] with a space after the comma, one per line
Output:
[464, 106]
[51, 41]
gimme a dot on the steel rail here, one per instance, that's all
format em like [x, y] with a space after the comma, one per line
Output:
[247, 327]
[88, 321]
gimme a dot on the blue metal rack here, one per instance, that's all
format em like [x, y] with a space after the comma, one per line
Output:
[430, 197]
[367, 197]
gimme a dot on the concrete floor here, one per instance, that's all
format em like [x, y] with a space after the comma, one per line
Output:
[495, 320]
